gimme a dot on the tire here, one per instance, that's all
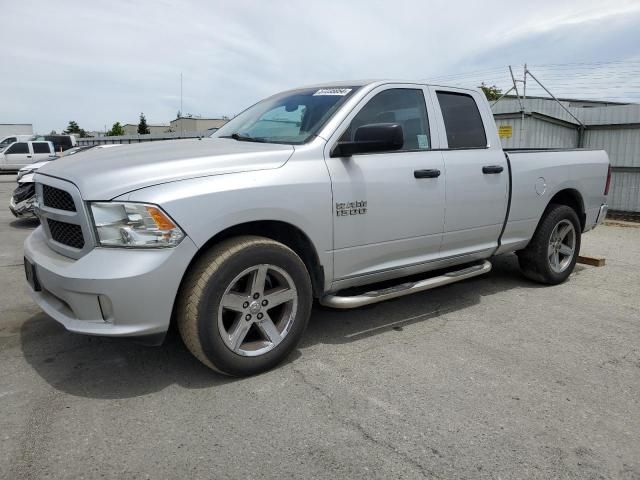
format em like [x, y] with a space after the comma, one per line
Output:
[548, 259]
[244, 305]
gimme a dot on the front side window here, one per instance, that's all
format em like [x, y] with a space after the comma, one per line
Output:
[20, 147]
[462, 120]
[403, 106]
[41, 147]
[292, 117]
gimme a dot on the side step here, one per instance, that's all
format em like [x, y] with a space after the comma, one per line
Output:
[375, 296]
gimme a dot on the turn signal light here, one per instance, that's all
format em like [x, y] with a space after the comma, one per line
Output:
[606, 187]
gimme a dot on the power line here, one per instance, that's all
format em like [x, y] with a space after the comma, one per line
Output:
[587, 80]
[586, 64]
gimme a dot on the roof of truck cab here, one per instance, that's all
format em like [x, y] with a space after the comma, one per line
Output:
[379, 81]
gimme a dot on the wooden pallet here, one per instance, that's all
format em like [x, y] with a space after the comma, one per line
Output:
[592, 260]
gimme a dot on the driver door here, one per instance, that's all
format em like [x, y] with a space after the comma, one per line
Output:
[18, 155]
[388, 207]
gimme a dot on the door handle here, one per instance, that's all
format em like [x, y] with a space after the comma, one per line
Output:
[28, 156]
[429, 173]
[492, 169]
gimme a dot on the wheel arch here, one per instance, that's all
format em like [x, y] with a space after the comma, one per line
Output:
[283, 232]
[571, 198]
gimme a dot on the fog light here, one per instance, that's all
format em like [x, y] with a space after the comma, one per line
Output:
[105, 308]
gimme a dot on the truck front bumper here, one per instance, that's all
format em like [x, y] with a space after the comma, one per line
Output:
[21, 209]
[109, 291]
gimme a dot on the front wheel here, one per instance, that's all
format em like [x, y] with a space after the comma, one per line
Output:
[244, 305]
[553, 251]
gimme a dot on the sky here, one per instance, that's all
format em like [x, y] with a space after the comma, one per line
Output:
[101, 62]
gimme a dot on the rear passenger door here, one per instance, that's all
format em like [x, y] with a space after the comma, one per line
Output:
[477, 176]
[42, 151]
[18, 155]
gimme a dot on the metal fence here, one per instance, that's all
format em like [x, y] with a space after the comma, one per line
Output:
[151, 137]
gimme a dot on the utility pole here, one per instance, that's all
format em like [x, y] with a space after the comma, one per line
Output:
[523, 131]
[521, 100]
[181, 127]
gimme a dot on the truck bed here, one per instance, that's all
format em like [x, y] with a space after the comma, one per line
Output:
[539, 174]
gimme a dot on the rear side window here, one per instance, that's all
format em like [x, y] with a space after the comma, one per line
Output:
[20, 147]
[462, 120]
[404, 106]
[60, 141]
[41, 147]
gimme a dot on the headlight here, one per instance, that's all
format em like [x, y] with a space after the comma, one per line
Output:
[23, 172]
[124, 224]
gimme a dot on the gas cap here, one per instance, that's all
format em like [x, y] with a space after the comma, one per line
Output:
[541, 186]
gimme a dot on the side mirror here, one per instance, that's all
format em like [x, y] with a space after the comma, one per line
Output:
[375, 137]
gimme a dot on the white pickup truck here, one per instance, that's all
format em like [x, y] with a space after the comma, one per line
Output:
[21, 153]
[306, 194]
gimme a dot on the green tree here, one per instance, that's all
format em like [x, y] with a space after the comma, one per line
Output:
[74, 129]
[116, 130]
[143, 128]
[491, 91]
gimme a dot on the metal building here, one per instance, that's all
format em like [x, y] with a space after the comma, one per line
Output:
[15, 129]
[132, 128]
[612, 127]
[185, 124]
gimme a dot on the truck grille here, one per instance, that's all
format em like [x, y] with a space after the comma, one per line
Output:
[66, 233]
[58, 199]
[64, 217]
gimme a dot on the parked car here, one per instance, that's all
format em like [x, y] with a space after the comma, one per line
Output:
[19, 154]
[62, 142]
[22, 200]
[315, 192]
[9, 139]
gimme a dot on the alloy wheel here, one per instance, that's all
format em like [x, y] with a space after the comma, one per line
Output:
[257, 310]
[562, 246]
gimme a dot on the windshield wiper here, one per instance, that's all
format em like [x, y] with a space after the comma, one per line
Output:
[245, 138]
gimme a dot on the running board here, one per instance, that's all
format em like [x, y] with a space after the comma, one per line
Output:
[375, 296]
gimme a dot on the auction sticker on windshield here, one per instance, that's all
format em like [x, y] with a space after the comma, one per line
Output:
[341, 92]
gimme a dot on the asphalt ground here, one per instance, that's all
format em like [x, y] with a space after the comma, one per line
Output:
[494, 377]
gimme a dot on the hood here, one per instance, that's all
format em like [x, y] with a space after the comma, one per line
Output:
[105, 173]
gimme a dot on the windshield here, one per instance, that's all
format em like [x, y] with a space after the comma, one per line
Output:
[6, 142]
[291, 117]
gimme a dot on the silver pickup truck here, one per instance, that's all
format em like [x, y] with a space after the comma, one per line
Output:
[320, 192]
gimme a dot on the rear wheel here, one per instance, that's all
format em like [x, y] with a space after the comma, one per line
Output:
[244, 305]
[552, 253]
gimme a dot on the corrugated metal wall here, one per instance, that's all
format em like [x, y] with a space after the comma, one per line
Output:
[538, 134]
[622, 144]
[624, 194]
[613, 128]
[540, 105]
[623, 147]
[613, 114]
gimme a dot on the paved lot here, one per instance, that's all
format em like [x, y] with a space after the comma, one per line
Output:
[491, 378]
